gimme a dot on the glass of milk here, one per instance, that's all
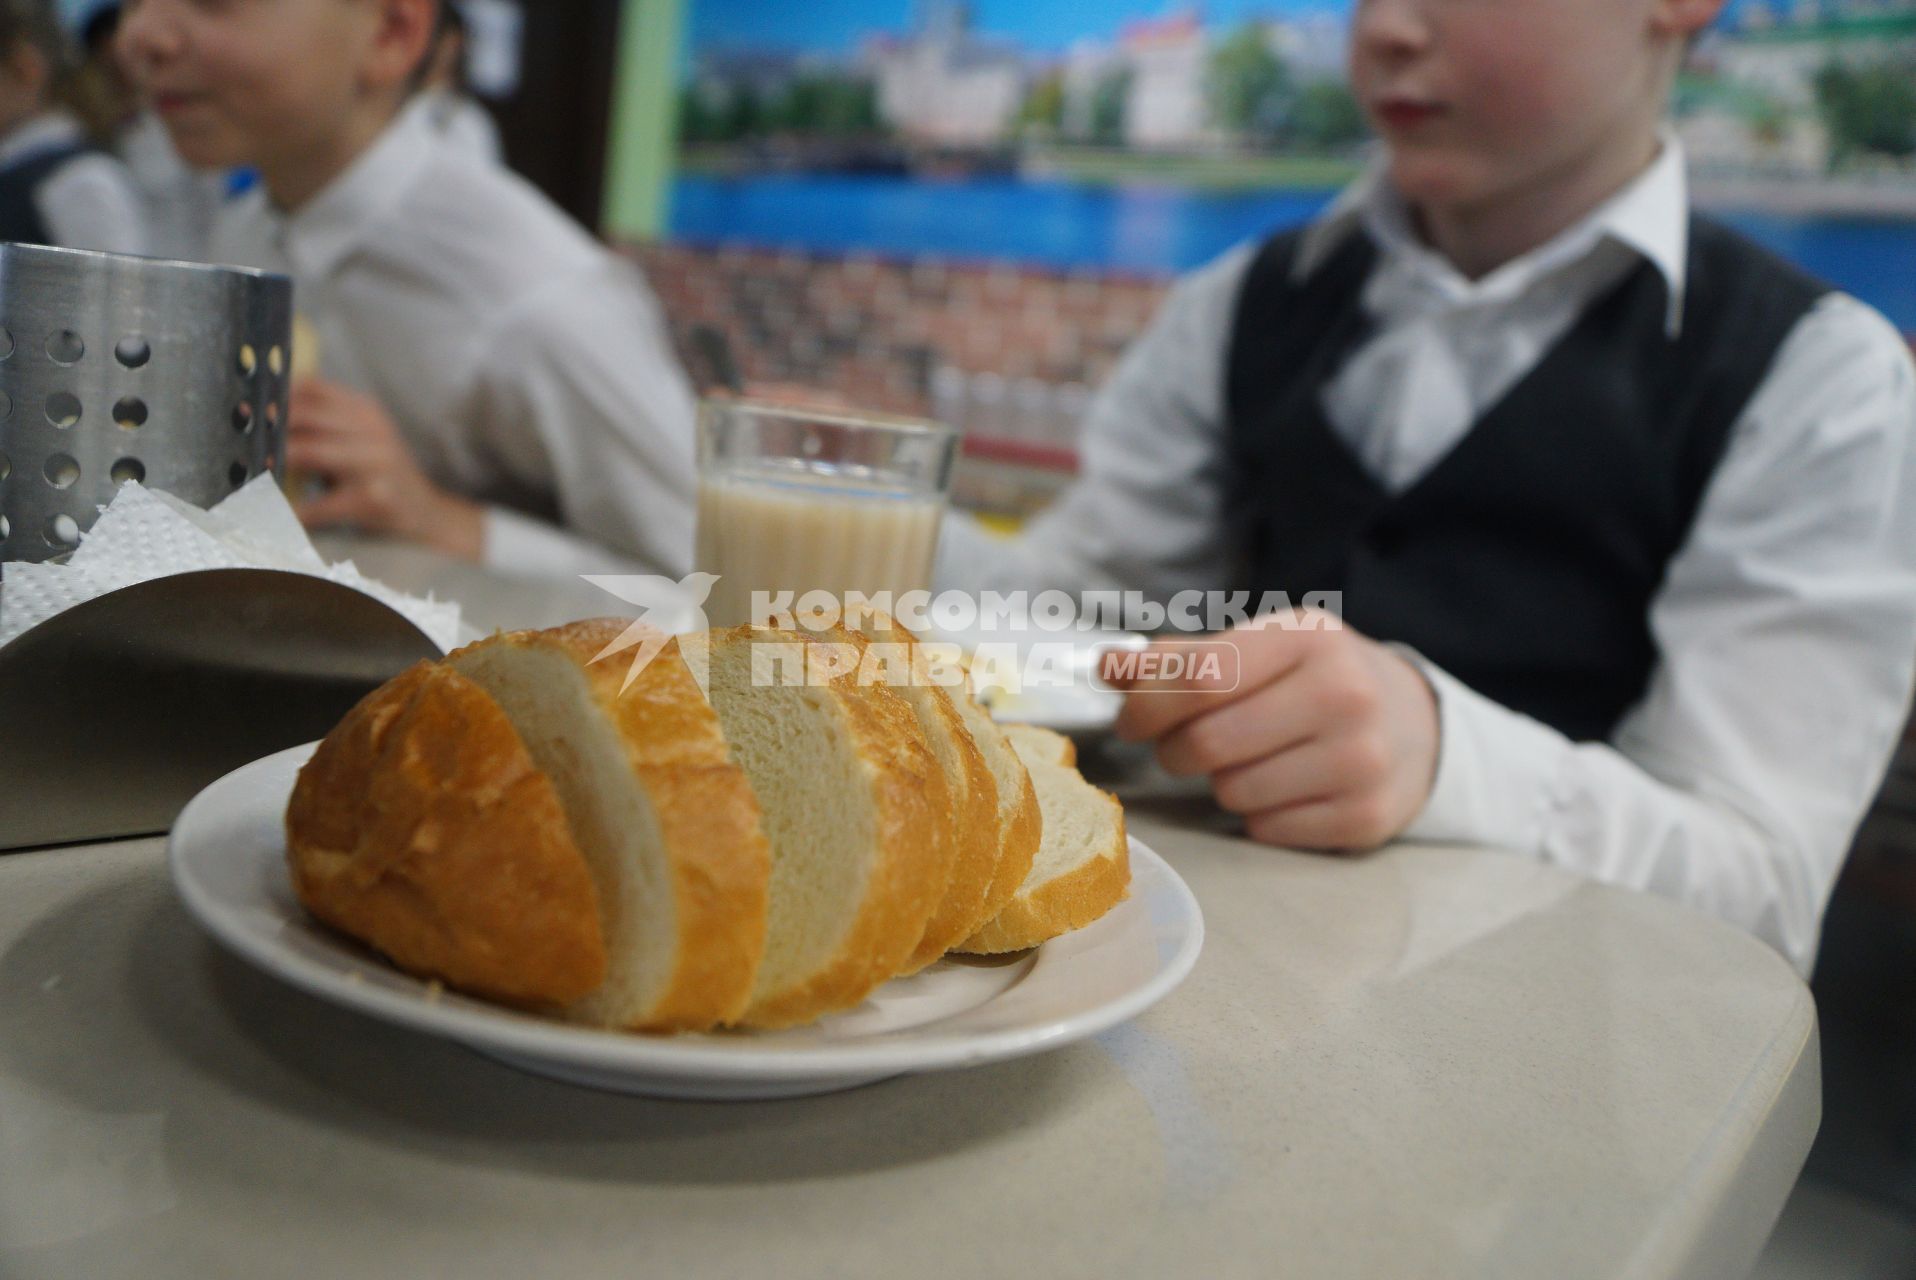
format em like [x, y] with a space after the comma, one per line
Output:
[798, 500]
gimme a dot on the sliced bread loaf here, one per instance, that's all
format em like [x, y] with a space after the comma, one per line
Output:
[422, 827]
[846, 783]
[665, 819]
[1083, 867]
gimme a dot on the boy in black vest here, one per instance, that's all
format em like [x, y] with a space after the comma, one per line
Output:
[1619, 505]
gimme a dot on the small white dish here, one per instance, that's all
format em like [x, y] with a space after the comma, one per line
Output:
[1055, 691]
[1078, 711]
[227, 854]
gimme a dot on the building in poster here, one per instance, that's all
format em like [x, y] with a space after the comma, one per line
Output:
[1164, 102]
[944, 85]
[1768, 93]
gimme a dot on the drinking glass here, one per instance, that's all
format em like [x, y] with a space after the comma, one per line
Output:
[799, 500]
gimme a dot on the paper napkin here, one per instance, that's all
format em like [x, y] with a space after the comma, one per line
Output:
[145, 534]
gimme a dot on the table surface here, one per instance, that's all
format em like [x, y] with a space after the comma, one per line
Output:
[1428, 1061]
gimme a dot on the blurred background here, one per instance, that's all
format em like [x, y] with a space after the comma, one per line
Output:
[970, 210]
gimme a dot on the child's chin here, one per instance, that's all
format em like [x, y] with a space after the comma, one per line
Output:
[203, 148]
[1430, 178]
[214, 159]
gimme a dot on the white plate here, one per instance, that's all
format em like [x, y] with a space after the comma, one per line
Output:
[228, 859]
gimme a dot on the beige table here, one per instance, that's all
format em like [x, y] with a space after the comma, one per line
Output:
[1430, 1062]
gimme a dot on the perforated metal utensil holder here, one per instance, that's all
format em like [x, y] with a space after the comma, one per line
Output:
[115, 368]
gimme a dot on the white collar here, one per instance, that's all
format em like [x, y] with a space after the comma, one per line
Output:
[1650, 216]
[330, 226]
[47, 130]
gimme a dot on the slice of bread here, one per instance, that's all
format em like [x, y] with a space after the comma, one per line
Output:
[1083, 868]
[972, 805]
[1020, 824]
[1044, 745]
[665, 819]
[845, 781]
[422, 827]
[896, 666]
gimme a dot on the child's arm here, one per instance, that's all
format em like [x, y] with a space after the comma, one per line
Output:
[1319, 736]
[372, 480]
[579, 405]
[1787, 627]
[581, 400]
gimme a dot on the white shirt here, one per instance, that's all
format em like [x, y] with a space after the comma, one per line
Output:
[464, 122]
[1786, 625]
[87, 203]
[526, 364]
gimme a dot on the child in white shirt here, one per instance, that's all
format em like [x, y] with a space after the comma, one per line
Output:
[56, 187]
[1620, 507]
[496, 383]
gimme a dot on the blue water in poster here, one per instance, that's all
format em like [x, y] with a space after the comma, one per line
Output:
[1155, 230]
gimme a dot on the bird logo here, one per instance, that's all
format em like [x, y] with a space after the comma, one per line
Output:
[666, 608]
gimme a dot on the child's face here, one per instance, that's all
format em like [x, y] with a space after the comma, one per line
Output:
[1477, 99]
[23, 83]
[250, 82]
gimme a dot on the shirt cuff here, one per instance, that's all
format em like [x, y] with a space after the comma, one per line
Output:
[1497, 771]
[517, 543]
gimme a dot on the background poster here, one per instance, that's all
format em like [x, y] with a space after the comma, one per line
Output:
[1134, 138]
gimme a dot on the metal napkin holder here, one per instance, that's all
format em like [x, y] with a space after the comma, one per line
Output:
[118, 711]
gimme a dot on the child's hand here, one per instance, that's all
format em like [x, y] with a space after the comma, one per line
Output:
[1328, 741]
[372, 480]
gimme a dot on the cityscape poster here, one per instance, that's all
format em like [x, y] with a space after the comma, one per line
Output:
[1137, 138]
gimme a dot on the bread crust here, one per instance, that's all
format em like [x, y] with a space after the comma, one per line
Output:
[422, 828]
[709, 820]
[1063, 903]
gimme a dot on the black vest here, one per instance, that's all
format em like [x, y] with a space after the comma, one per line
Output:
[1523, 562]
[20, 219]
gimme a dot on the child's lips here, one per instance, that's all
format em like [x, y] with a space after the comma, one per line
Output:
[173, 102]
[1406, 113]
